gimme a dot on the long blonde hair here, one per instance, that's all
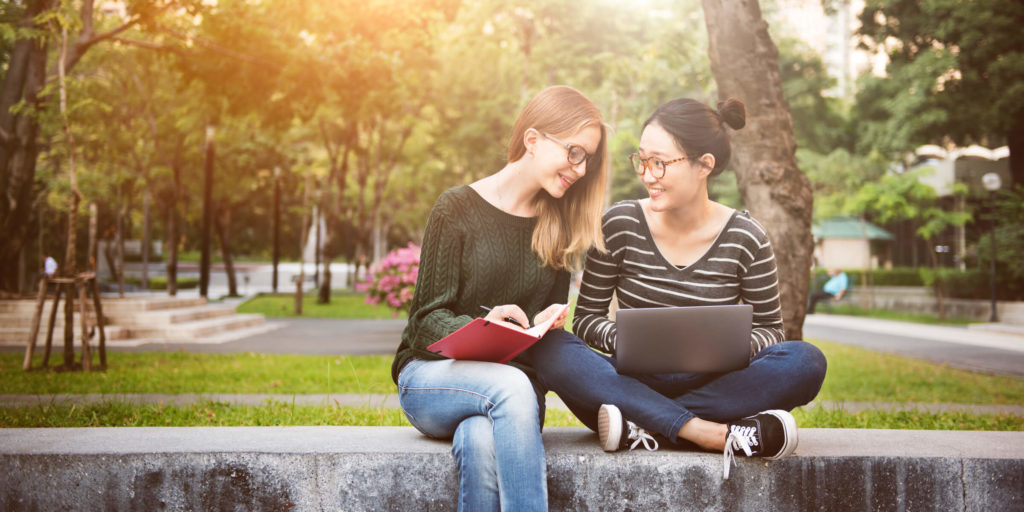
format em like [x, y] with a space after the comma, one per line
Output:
[567, 227]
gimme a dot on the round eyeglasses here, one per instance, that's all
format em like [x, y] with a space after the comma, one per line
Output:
[574, 153]
[657, 167]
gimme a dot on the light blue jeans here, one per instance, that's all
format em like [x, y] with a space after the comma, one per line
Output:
[491, 414]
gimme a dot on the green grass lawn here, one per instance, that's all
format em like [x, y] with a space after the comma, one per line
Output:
[854, 375]
[182, 372]
[345, 305]
[885, 314]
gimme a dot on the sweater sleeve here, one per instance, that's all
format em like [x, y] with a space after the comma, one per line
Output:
[600, 276]
[760, 289]
[437, 284]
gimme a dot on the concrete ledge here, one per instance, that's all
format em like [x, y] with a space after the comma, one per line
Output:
[396, 468]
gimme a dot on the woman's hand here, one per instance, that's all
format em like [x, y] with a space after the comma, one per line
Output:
[509, 311]
[554, 309]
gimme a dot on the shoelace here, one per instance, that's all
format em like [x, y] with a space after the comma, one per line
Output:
[739, 438]
[639, 436]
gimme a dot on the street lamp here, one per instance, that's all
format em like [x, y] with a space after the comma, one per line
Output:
[992, 182]
[277, 223]
[204, 259]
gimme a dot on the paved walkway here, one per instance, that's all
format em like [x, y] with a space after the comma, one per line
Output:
[960, 347]
[312, 336]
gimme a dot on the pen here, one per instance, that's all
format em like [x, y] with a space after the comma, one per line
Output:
[507, 318]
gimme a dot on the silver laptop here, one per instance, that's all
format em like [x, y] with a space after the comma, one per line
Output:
[694, 339]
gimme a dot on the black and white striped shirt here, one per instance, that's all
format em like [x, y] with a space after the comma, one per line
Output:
[739, 267]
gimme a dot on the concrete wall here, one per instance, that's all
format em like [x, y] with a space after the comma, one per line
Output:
[910, 299]
[396, 468]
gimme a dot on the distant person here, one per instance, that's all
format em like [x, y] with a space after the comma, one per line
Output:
[834, 289]
[50, 266]
[507, 241]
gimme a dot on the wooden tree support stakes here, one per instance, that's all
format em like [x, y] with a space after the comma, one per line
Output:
[83, 283]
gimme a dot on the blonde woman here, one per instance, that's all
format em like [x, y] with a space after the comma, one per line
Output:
[508, 242]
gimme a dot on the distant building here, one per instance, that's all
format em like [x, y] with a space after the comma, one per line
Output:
[847, 242]
[961, 165]
[949, 166]
[832, 35]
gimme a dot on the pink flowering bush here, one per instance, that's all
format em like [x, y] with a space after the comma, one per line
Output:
[393, 279]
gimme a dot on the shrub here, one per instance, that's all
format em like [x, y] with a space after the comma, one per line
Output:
[900, 276]
[969, 284]
[393, 279]
[160, 282]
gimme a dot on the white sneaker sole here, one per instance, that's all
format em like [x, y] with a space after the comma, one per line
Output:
[609, 427]
[789, 426]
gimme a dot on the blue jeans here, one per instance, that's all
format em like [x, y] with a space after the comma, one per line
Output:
[491, 414]
[782, 376]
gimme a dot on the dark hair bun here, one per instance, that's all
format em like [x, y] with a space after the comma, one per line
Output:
[733, 113]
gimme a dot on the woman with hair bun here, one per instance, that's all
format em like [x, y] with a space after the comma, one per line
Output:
[677, 247]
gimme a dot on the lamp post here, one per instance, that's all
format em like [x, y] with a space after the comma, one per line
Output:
[992, 183]
[204, 259]
[277, 223]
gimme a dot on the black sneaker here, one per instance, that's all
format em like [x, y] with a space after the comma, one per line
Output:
[769, 434]
[616, 433]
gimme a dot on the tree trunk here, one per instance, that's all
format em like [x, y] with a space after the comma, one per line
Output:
[94, 219]
[172, 225]
[317, 244]
[745, 63]
[23, 81]
[303, 240]
[224, 237]
[325, 247]
[145, 240]
[325, 283]
[71, 253]
[119, 241]
[326, 254]
[171, 265]
[204, 259]
[277, 226]
[939, 286]
[1015, 141]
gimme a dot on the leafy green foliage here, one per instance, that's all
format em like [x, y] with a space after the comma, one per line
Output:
[956, 69]
[904, 276]
[1009, 236]
[160, 282]
[819, 120]
[836, 176]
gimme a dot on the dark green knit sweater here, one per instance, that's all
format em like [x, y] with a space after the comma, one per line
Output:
[474, 255]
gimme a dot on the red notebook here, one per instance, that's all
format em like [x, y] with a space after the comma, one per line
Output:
[483, 340]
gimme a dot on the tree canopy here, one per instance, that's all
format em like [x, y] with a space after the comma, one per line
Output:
[955, 72]
[368, 109]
